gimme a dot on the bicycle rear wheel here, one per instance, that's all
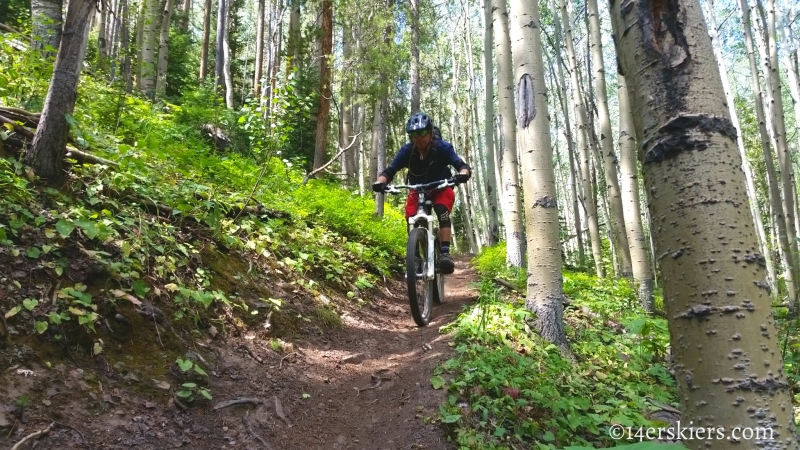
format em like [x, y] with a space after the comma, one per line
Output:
[420, 289]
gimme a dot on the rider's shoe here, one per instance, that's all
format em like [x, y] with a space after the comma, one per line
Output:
[446, 264]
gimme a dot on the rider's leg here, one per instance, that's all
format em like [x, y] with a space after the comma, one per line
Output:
[446, 264]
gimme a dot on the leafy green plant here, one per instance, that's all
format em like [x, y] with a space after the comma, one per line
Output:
[189, 390]
[187, 365]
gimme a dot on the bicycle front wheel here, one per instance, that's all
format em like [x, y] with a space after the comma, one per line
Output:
[420, 289]
[438, 280]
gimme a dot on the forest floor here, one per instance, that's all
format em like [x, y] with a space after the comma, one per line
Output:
[365, 385]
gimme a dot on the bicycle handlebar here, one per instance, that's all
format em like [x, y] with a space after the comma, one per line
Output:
[395, 189]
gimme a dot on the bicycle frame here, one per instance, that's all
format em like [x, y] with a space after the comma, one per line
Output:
[422, 216]
[428, 219]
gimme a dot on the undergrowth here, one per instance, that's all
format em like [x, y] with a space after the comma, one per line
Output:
[177, 222]
[507, 388]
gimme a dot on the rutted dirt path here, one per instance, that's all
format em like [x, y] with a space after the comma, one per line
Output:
[364, 386]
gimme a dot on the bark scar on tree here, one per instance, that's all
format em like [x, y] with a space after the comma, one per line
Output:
[525, 97]
[674, 136]
[545, 202]
[662, 32]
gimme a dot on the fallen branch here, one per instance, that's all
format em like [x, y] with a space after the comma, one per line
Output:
[30, 119]
[238, 401]
[324, 166]
[506, 284]
[17, 127]
[33, 435]
[86, 158]
[253, 434]
[8, 29]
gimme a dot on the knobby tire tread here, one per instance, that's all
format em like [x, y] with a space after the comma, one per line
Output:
[417, 235]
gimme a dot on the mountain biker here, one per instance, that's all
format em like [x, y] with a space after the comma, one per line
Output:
[427, 159]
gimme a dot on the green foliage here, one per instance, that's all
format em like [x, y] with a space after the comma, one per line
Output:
[24, 75]
[16, 13]
[13, 188]
[184, 59]
[507, 388]
[491, 264]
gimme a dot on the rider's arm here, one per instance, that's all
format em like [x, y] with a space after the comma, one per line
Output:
[400, 161]
[454, 160]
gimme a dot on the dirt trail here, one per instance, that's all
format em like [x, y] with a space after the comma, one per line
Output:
[364, 386]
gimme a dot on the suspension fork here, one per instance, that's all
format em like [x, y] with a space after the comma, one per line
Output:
[421, 214]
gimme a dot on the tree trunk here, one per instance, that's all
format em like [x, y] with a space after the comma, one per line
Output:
[46, 153]
[640, 260]
[125, 47]
[147, 64]
[589, 204]
[206, 40]
[773, 80]
[186, 15]
[259, 63]
[47, 24]
[222, 26]
[488, 121]
[510, 201]
[793, 78]
[536, 154]
[326, 54]
[378, 159]
[772, 180]
[293, 41]
[748, 172]
[163, 50]
[722, 333]
[414, 78]
[226, 63]
[615, 209]
[561, 91]
[102, 42]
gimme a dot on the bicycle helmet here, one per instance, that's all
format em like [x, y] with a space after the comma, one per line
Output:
[419, 121]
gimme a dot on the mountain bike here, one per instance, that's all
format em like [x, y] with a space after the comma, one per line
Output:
[425, 280]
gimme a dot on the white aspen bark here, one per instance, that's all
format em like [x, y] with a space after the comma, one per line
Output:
[219, 72]
[510, 201]
[640, 260]
[378, 160]
[226, 66]
[564, 101]
[775, 199]
[259, 60]
[793, 78]
[587, 194]
[779, 131]
[206, 40]
[544, 294]
[488, 121]
[163, 50]
[723, 336]
[47, 21]
[748, 172]
[613, 195]
[148, 62]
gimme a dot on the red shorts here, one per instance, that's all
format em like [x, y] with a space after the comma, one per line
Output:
[444, 197]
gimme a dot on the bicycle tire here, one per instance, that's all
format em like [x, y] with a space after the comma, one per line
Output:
[420, 290]
[438, 280]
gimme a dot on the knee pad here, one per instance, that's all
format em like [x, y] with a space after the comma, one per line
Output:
[443, 214]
